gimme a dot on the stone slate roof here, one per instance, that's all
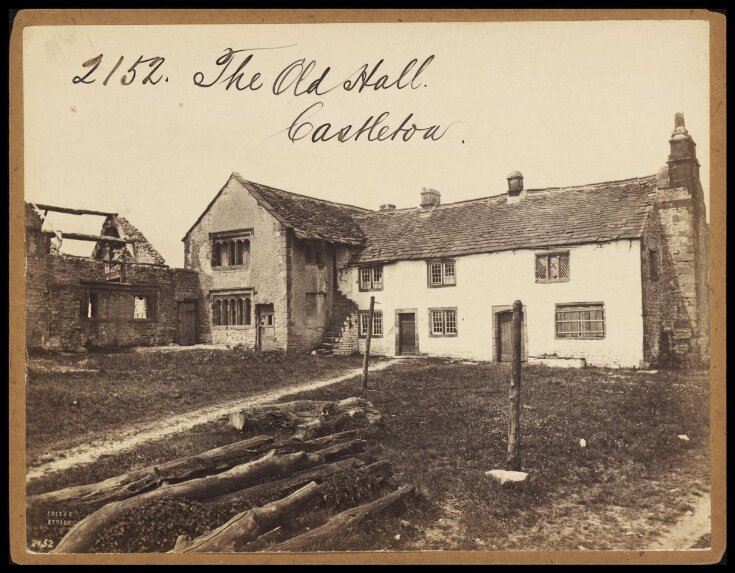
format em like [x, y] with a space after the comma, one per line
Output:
[310, 218]
[543, 218]
[552, 217]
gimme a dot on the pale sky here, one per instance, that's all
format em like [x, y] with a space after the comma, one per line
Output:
[566, 103]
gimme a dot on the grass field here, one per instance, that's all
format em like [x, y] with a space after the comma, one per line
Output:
[72, 397]
[445, 424]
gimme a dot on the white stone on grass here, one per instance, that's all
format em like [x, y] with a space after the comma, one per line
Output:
[683, 437]
[503, 476]
[582, 443]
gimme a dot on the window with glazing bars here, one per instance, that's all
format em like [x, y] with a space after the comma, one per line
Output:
[377, 323]
[230, 252]
[231, 310]
[586, 321]
[371, 278]
[552, 267]
[442, 273]
[443, 321]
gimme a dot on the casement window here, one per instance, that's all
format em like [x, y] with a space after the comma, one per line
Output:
[377, 323]
[443, 322]
[580, 320]
[442, 273]
[552, 267]
[231, 310]
[371, 278]
[653, 263]
[230, 249]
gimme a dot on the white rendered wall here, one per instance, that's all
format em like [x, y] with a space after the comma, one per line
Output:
[609, 273]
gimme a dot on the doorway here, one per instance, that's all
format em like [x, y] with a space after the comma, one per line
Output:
[266, 321]
[186, 333]
[407, 339]
[503, 319]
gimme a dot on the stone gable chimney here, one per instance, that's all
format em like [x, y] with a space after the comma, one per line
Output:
[683, 251]
[430, 198]
[683, 164]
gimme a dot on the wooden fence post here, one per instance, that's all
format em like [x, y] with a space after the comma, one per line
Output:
[367, 343]
[514, 439]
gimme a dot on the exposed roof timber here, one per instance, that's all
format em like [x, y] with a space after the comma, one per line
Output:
[72, 211]
[95, 238]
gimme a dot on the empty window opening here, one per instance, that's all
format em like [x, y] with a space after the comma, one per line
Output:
[140, 310]
[93, 305]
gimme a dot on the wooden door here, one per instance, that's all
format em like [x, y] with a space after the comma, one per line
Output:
[504, 337]
[407, 333]
[267, 329]
[187, 323]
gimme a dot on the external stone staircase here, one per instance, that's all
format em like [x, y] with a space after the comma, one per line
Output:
[341, 334]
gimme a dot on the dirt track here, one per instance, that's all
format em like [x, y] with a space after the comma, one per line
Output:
[688, 530]
[128, 438]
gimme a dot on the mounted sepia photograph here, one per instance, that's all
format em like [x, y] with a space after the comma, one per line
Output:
[367, 287]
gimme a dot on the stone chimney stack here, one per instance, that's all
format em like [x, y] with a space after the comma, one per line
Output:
[683, 250]
[516, 192]
[683, 164]
[430, 198]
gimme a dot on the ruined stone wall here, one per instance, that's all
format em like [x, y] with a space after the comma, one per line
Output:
[57, 298]
[35, 283]
[264, 276]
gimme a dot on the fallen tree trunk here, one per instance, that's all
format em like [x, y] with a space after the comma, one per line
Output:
[341, 521]
[254, 494]
[136, 482]
[309, 418]
[270, 537]
[295, 445]
[271, 488]
[339, 450]
[249, 525]
[81, 537]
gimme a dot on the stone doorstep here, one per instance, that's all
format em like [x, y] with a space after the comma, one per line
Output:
[505, 476]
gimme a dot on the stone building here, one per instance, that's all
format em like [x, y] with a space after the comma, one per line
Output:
[123, 294]
[610, 274]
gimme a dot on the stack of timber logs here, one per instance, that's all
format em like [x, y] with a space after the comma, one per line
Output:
[279, 480]
[309, 418]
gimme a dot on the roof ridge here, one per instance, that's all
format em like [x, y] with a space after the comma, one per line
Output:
[244, 181]
[534, 191]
